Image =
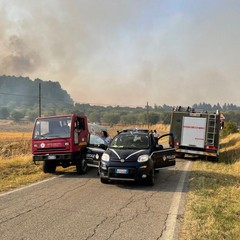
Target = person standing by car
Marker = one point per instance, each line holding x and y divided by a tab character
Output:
155	135
106	137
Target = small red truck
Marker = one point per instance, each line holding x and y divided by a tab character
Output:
63	141
196	132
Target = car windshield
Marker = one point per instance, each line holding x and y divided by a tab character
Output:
52	128
130	141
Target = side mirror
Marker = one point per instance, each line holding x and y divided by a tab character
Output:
103	146
160	147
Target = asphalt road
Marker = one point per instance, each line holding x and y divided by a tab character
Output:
81	207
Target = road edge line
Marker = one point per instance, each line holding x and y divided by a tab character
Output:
171	221
28	186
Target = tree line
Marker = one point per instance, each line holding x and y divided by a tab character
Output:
19	99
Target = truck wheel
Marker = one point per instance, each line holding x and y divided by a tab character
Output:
103	180
49	167
214	159
150	179
81	166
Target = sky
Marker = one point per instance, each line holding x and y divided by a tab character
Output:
126	52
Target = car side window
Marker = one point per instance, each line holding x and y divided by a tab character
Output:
95	140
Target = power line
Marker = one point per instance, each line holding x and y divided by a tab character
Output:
19	95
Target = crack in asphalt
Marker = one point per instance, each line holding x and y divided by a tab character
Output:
136	215
44	203
164	227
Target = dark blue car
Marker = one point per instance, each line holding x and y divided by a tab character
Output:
135	155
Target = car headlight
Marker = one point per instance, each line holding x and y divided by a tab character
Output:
105	157
143	158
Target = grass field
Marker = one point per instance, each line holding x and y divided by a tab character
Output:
212	208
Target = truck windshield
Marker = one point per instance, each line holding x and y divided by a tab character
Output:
130	141
52	128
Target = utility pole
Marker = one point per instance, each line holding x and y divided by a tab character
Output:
39	100
147	116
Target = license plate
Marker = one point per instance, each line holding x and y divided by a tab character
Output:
121	171
51	157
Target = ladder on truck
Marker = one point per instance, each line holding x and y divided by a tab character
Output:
211	129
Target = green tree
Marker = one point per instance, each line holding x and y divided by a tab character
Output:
32	115
128	119
166	117
95	117
154	118
111	118
229	127
4	113
149	118
16	115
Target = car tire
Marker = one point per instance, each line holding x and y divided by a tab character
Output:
150	179
81	166
103	180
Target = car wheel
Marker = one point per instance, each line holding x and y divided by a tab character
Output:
150	179
81	166
103	180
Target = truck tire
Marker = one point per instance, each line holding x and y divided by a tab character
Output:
49	167
81	166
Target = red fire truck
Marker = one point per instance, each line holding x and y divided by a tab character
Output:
63	141
196	132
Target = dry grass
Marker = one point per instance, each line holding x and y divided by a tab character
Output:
230	148
5	136
16	171
213	209
14	143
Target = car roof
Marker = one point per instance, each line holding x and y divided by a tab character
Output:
135	130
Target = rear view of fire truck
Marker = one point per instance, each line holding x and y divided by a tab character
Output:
196	133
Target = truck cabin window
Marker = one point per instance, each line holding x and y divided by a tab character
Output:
52	128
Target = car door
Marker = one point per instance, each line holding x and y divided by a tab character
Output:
163	154
96	147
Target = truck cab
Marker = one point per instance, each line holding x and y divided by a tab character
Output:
62	141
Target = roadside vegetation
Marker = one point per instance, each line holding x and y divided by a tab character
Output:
213	210
212	207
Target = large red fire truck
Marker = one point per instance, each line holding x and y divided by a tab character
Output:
196	132
64	141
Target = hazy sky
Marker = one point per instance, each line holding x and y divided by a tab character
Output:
126	52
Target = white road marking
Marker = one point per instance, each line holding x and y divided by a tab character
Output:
28	186
168	233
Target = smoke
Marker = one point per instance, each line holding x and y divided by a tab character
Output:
19	59
126	52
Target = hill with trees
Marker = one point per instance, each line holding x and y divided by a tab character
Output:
19	96
19	99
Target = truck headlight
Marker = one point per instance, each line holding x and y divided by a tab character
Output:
143	158
105	157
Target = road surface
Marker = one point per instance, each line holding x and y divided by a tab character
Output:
81	207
